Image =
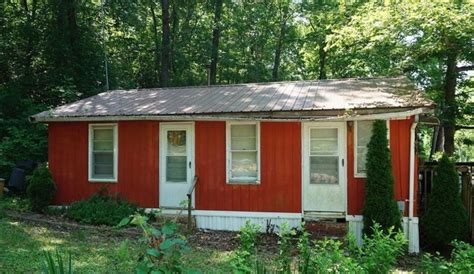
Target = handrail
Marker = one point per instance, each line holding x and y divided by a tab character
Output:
190	200
193	186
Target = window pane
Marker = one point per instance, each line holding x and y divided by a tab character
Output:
324	170
176	169
244	164
330	133
103	134
323	141
103	165
103	145
176	142
243	130
364	133
361	159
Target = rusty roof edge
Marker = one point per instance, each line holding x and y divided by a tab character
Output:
356	114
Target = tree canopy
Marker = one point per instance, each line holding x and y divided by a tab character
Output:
53	52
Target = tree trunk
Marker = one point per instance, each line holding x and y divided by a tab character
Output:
174	33
155	38
278	49
450	106
322	61
215	41
165	41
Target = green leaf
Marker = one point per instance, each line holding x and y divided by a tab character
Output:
125	221
153	252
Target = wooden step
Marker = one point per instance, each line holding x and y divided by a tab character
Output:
327	229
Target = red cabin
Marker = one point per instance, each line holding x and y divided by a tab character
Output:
273	152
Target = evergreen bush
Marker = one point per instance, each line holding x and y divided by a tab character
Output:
445	219
41	188
380	206
101	209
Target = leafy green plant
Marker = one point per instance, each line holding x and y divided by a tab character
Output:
101	208
380	251
41	188
380	206
462	260
284	259
165	246
328	256
445	219
244	259
304	250
56	265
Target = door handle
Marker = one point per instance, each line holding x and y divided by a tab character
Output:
342	161
189	164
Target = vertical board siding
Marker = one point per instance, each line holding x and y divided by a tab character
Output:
137	162
400	150
280	156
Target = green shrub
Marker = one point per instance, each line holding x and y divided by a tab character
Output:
328	256
445	219
101	209
164	246
284	259
380	251
380	206
41	188
462	260
244	259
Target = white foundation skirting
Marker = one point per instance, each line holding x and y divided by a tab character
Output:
356	224
234	220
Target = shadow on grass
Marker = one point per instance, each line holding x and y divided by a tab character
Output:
22	247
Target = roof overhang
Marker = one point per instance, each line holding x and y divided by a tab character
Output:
333	115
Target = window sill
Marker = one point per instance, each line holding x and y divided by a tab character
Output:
243	182
93	181
360	176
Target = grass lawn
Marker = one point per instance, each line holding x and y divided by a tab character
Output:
22	246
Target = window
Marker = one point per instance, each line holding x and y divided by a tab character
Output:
362	135
103	153
243	152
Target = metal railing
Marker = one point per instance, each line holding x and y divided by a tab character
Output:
190	203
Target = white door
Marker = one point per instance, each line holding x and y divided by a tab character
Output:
324	176
176	162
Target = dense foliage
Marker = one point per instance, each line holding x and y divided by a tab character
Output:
165	245
462	260
100	208
54	52
445	218
41	188
380	206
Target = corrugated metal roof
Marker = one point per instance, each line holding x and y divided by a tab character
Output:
341	94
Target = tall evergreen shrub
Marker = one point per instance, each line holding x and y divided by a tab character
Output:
380	206
445	218
41	188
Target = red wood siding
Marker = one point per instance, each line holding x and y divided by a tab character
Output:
400	148
137	162
280	154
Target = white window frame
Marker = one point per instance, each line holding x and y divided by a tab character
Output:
362	174
249	180
91	138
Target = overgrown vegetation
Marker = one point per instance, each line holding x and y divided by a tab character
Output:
445	218
41	188
101	209
462	260
245	257
379	205
164	245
